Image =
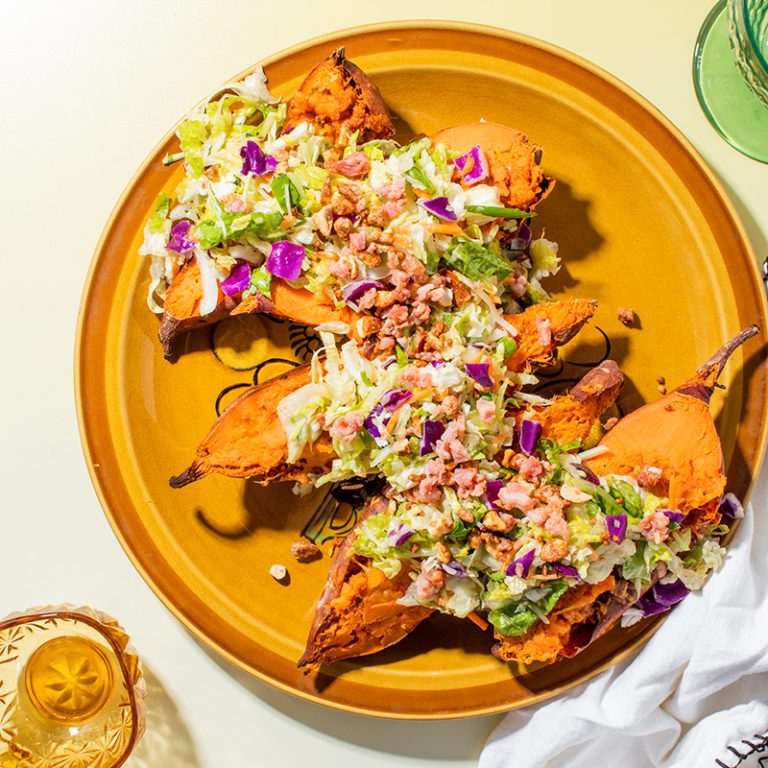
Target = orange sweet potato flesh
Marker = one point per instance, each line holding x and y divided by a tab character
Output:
358	613
299	305
357	593
547	642
513	162
339	99
677	434
181	310
545	327
248	439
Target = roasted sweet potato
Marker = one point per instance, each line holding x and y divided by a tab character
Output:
513	162
576	416
356	592
675	434
358	612
181	310
545	327
182	307
547	642
248	439
339	99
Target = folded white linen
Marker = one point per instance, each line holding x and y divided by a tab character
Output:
695	695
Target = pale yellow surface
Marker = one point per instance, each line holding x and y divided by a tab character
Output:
87	89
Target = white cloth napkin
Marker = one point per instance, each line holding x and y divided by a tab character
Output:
695	695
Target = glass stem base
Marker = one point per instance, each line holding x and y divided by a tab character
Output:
734	110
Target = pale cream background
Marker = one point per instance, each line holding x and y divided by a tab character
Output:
86	89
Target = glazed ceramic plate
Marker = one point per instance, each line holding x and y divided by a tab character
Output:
641	222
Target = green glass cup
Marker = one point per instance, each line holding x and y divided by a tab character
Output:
730	73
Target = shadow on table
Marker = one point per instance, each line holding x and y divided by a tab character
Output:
167	742
446	740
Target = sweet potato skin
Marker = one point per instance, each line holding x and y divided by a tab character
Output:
247	426
339	99
676	434
299	305
514	163
231	447
358	612
181	310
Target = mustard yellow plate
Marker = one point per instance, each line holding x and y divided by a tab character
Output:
641	222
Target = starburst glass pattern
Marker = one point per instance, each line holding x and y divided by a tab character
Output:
71	689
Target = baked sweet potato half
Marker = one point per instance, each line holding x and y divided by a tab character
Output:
340	101
671	447
358	613
357	592
248	439
351	224
514	162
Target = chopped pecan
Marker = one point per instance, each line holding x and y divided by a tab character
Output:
376	216
503	522
370	258
323	220
443	554
341	206
553	550
343	227
368	325
627	316
304	551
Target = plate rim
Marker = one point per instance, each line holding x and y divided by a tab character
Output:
80	362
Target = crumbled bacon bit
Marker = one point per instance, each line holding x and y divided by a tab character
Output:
611	423
304	551
353	165
515	496
654	526
648	476
234	203
627	316
486	409
470	483
395	190
429	583
449	446
346	427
